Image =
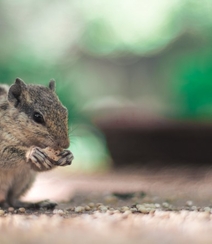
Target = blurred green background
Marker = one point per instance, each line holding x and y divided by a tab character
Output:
155	56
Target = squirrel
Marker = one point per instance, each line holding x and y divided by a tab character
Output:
32	118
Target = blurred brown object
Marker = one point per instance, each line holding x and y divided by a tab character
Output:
137	140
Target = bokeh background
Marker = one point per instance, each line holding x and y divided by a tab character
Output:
128	71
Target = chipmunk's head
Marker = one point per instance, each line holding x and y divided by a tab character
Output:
40	115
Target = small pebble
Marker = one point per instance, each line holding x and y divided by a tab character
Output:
11	209
124	208
194	208
21	210
165	204
58	211
127	212
1	212
103	208
70	209
207	209
189	203
110	212
91	205
87	208
144	210
79	209
133	210
157	205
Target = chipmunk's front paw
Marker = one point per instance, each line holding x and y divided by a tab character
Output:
66	158
39	159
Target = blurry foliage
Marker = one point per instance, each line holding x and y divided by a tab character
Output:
164	48
193	84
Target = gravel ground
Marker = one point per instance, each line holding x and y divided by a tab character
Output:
167	206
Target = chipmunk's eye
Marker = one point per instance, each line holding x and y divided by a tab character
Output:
38	118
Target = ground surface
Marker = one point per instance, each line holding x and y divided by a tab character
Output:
165	206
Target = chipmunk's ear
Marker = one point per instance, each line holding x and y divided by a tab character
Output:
52	85
15	91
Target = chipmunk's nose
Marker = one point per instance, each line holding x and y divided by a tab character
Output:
63	143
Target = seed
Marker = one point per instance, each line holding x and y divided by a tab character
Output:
1	212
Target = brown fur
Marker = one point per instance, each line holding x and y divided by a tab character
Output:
20	135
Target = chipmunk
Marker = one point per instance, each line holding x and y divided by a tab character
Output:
32	118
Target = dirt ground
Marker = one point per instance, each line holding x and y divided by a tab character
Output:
142	206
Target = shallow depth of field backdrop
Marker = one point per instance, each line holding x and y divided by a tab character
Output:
122	59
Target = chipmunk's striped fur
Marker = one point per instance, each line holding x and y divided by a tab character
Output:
31	119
